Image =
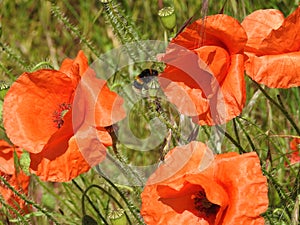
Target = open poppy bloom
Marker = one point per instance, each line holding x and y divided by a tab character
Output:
223	189
204	76
294	156
273	48
19	181
60	118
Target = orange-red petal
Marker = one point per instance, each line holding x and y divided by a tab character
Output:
206	57
275	71
67	155
6	158
30	104
273	48
102	107
233	182
19	180
75	68
246	186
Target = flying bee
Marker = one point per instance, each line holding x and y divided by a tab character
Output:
146	82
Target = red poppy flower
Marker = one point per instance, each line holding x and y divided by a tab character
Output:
204	76
273	48
294	156
225	189
18	180
59	117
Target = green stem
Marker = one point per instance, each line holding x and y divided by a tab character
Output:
132	208
6	48
279	106
246	134
90	201
241	149
16	212
126	170
41	64
107	193
236	131
11	76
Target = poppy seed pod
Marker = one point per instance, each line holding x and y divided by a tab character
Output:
167	17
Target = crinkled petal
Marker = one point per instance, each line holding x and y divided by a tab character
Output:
273	48
61	165
188	101
232	181
30	105
192	158
206	57
218	30
258	26
246	186
233	90
275	71
75	68
155	212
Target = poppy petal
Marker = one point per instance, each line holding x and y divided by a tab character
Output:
35	95
245	184
217	30
75	68
6	158
235	190
258	26
60	166
102	107
19	180
207	56
275	71
273	48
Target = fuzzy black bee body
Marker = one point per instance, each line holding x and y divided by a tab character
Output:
142	81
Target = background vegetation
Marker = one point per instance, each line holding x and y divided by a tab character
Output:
40	34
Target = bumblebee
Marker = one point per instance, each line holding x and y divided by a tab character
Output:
146	81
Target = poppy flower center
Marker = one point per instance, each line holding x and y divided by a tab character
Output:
204	206
60	113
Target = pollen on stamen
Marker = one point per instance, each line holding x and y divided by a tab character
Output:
60	113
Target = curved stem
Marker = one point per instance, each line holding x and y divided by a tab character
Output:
131	207
90	201
107	193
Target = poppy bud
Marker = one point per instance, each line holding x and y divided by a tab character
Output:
168	17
